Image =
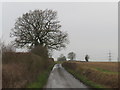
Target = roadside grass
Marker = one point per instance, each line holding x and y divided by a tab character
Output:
84	79
93	76
41	79
106	71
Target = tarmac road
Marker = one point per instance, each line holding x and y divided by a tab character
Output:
60	78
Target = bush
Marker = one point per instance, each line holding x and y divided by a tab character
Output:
40	51
20	69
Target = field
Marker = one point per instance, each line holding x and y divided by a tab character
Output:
94	74
22	69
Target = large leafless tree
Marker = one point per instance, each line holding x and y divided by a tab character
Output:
39	27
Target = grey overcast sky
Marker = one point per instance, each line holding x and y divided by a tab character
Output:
92	26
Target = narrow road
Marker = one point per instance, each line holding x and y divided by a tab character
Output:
60	78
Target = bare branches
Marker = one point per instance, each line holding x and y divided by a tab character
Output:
39	28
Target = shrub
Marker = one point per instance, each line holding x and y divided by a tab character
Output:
40	51
19	69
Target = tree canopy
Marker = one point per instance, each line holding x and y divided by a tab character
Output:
39	27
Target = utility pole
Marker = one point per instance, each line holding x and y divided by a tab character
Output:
109	55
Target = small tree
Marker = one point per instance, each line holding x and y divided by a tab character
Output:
61	58
71	55
86	58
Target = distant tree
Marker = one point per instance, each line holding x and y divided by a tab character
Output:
39	28
71	55
61	58
86	58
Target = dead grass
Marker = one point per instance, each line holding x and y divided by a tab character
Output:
20	69
110	66
98	72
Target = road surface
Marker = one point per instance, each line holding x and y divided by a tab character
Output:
60	78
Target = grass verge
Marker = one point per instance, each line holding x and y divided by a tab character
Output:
106	71
41	79
84	79
89	75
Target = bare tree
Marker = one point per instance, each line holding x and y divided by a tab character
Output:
39	27
71	55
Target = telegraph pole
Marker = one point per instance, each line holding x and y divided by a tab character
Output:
109	55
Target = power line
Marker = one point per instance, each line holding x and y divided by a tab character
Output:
109	55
